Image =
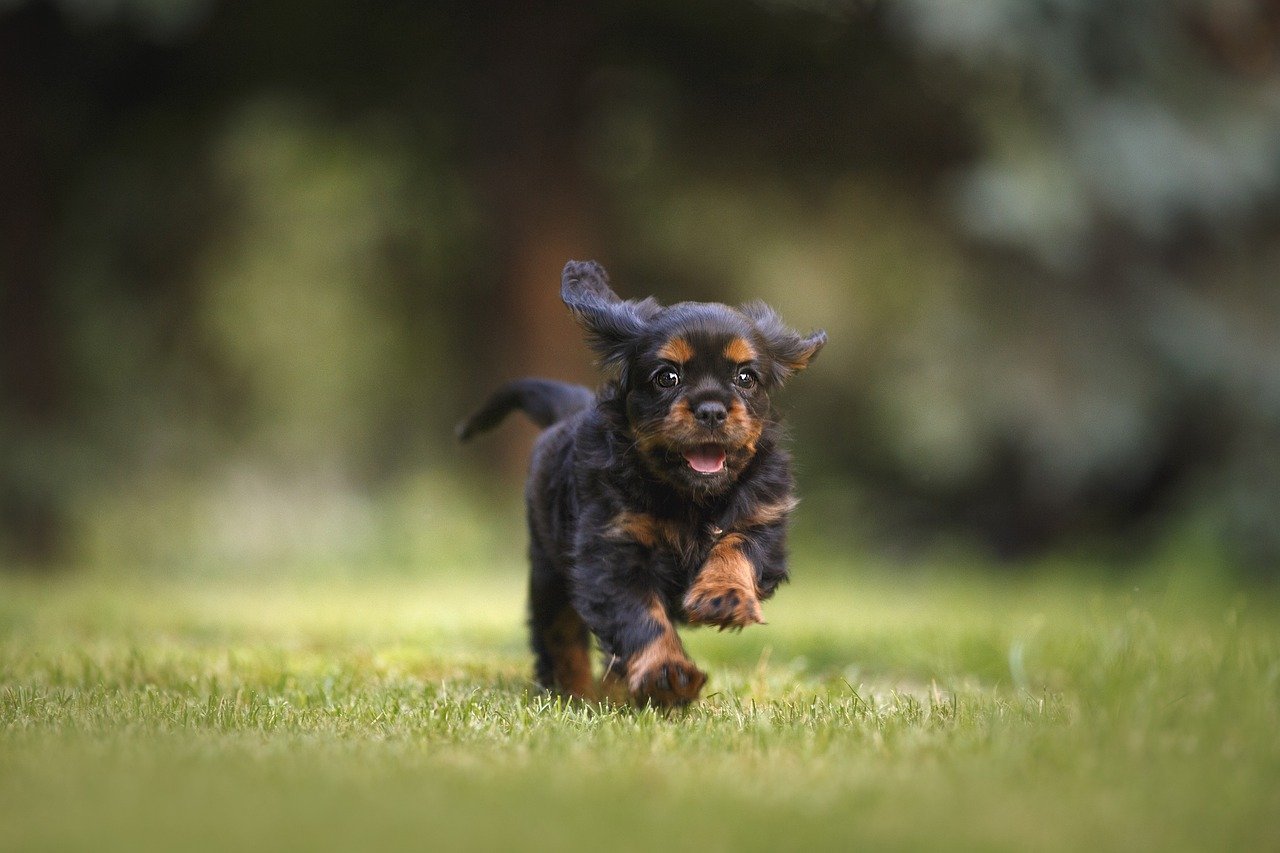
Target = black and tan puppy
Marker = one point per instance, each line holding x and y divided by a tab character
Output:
662	500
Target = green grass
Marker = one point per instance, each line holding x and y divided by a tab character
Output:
930	712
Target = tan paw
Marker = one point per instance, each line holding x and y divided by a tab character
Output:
666	681
723	605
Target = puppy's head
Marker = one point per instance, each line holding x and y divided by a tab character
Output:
694	376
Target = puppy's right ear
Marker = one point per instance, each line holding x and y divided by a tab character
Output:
613	327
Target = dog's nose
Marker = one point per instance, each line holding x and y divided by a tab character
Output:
710	413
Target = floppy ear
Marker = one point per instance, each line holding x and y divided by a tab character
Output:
613	327
789	352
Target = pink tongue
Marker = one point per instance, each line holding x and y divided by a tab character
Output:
705	459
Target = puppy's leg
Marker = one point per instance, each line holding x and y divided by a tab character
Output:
558	636
727	591
643	653
660	672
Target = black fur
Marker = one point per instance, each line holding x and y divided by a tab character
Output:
545	401
625	534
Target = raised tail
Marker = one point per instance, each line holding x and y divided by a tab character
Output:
545	401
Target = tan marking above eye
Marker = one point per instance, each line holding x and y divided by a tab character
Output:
676	350
739	351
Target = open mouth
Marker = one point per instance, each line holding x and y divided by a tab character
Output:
705	458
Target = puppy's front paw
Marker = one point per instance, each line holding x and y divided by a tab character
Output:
666	681
722	604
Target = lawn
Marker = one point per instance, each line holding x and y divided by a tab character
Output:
934	710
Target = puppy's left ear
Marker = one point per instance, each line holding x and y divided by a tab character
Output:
613	327
788	350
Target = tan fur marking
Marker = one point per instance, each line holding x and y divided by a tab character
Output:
666	645
739	351
743	427
725	592
677	350
661	672
679	426
680	419
650	532
566	640
767	514
636	526
680	429
726	565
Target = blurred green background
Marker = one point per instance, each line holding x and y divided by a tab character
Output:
257	258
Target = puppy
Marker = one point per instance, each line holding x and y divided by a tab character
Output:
664	499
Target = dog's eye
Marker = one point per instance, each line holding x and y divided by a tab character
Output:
745	379
666	378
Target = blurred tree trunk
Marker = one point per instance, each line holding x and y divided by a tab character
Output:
32	390
526	161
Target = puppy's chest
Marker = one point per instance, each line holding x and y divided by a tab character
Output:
678	545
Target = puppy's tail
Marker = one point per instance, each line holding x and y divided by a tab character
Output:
545	401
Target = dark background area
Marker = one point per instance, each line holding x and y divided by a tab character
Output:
257	258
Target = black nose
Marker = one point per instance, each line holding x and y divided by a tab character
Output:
710	413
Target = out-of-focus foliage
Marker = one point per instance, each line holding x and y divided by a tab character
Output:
257	258
1125	203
